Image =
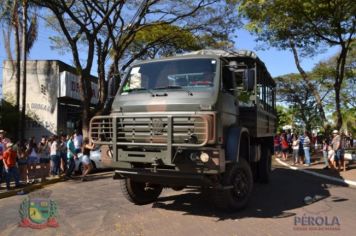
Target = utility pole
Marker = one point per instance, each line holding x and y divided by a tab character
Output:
24	55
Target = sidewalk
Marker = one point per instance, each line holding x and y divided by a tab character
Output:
103	173
26	188
317	165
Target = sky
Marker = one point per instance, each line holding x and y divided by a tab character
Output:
277	62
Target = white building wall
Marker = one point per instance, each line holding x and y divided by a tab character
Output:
41	95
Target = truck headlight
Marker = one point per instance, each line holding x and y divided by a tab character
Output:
204	157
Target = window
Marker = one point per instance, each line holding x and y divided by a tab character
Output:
192	73
227	80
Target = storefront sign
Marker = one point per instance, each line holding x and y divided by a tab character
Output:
69	87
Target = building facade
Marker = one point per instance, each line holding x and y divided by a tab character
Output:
52	96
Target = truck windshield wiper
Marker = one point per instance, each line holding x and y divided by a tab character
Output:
175	87
140	89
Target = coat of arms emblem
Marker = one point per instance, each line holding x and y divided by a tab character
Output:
37	211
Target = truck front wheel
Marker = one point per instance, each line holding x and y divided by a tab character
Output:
140	193
239	182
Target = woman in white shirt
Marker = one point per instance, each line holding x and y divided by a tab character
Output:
295	147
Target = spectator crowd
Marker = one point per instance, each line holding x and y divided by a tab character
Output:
52	156
300	147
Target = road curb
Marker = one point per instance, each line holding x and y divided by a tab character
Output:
40	185
29	188
347	182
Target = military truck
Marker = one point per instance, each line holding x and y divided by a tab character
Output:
205	119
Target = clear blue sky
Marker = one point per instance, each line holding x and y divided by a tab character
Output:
277	62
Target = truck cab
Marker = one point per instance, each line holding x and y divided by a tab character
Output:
205	119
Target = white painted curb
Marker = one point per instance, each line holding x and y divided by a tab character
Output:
344	181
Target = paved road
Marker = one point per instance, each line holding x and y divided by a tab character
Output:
98	208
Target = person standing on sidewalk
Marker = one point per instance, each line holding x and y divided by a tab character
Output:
78	141
87	147
32	160
3	142
22	160
331	158
63	153
43	152
277	144
306	148
71	154
295	148
285	146
325	153
9	159
337	147
2	149
301	150
54	155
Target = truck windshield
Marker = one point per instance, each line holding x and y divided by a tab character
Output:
182	74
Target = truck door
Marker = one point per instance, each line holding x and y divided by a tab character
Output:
228	102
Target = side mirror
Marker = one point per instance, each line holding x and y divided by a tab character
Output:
249	80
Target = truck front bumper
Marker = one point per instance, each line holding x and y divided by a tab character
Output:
165	177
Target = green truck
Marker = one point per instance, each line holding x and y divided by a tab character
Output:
204	119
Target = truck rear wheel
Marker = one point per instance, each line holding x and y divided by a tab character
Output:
239	177
140	193
264	166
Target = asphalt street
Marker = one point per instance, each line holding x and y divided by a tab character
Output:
97	207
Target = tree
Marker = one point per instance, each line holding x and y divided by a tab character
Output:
325	72
11	18
284	117
305	26
293	90
109	28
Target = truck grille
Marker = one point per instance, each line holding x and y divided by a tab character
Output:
156	130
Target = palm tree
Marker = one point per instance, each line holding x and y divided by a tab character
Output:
10	19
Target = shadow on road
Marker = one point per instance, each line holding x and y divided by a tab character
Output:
286	192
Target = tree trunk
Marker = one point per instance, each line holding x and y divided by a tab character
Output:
309	84
24	54
340	69
86	95
18	79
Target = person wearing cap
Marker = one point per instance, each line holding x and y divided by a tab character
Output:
9	159
336	145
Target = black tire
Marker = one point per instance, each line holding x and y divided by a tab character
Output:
264	166
239	175
139	193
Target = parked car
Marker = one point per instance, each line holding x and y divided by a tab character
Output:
95	158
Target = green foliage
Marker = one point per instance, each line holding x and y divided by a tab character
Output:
163	40
307	22
325	72
307	26
292	90
9	116
284	117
